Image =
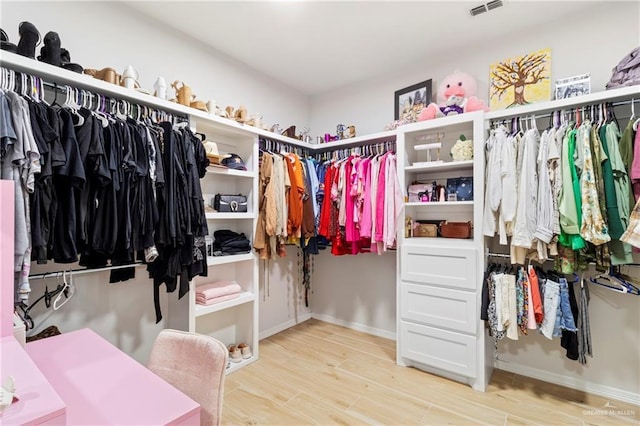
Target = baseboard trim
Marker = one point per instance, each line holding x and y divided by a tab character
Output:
355	326
283	326
571	382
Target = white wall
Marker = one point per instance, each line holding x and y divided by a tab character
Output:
609	32
282	302
110	34
102	34
356	291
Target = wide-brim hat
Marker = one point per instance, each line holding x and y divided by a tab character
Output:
211	148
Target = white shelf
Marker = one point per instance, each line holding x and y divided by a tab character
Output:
281	138
439	204
558	104
235	366
217	215
439	242
358	140
445	166
224	171
83	81
244	297
451	120
233	258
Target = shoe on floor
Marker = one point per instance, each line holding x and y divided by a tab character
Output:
245	350
234	354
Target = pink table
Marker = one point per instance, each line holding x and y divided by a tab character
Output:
102	385
38	403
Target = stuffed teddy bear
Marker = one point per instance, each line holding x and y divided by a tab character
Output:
456	95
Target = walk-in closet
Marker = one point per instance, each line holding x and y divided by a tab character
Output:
306	212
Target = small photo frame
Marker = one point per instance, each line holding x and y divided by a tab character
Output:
410	100
571	87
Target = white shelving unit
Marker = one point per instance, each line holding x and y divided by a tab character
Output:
439	279
232	321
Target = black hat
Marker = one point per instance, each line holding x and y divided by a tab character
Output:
234	162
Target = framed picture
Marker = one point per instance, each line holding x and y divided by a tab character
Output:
520	80
571	87
410	100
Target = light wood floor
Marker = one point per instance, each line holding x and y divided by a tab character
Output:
320	373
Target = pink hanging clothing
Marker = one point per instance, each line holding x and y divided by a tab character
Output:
635	166
365	221
393	203
380	200
350	226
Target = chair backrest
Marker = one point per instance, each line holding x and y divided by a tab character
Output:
195	364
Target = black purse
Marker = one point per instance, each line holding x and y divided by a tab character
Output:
225	203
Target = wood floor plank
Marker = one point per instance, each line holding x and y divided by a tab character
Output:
244	408
320	373
369	348
439	416
320	413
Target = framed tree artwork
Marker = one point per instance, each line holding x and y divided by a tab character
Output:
521	80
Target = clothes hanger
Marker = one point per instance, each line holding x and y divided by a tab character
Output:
25	317
614	272
607	281
633	114
71	105
68	290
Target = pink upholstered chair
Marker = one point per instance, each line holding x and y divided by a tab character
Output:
195	364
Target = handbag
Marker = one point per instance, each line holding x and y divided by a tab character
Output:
226	203
462	187
455	229
419	192
426	228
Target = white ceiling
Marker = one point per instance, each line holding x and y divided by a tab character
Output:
318	46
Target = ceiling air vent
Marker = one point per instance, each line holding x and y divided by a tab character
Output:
494	4
485	7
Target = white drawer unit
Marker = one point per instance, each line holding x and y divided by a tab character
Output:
442	266
447	350
442	307
439	279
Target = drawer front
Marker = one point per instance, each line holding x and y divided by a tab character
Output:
437	348
452	267
442	307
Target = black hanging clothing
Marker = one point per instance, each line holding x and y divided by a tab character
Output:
66	179
42	197
569	340
182	226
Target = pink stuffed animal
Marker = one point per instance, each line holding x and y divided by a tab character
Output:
456	95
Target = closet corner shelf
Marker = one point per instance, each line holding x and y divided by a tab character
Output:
217	215
230	172
437	123
234	258
445	166
545	107
372	138
244	297
439	204
235	366
281	138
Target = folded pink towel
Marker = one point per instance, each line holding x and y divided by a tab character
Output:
217	289
216	299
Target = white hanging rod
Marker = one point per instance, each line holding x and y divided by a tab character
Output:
569	109
85	270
